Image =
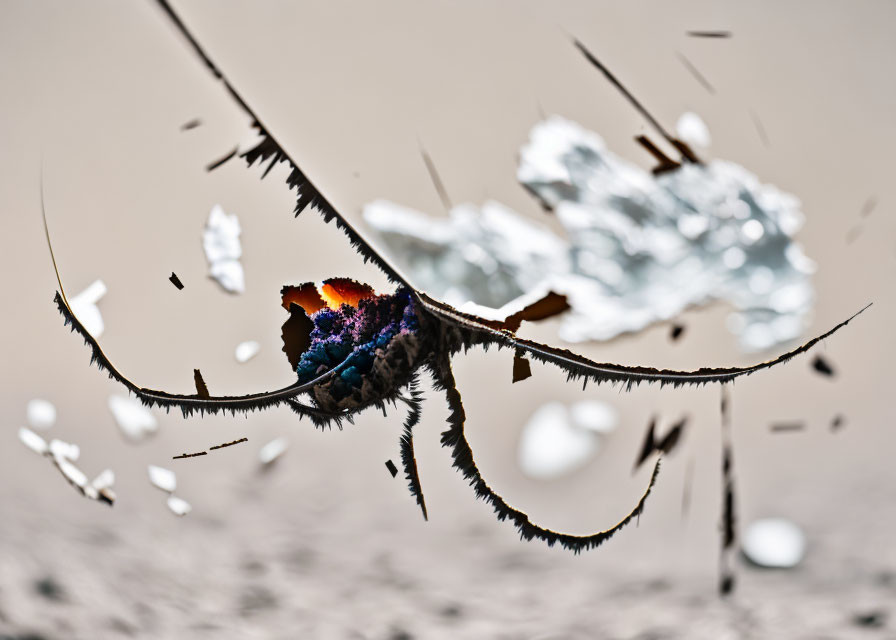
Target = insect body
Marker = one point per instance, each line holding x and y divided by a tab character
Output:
352	349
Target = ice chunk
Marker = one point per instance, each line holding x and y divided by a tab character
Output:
272	450
691	129
64	450
33	441
162	478
774	543
135	421
221	243
83	306
245	351
41	414
179	506
558	439
104	480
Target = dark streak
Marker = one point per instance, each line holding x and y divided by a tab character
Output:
228	444
780	427
192	124
696	73
837	422
709	34
729	518
760	129
392	468
176	281
436	180
190	455
682	147
686	490
217	163
868	207
665	163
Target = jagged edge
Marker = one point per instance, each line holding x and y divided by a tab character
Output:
184	404
408	459
475	331
307	193
462	456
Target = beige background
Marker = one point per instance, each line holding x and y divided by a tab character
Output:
328	544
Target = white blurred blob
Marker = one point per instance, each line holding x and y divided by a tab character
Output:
64	450
33	441
84	308
73	474
221	242
690	128
486	255
63	456
41	414
163	479
559	439
135	421
104	480
245	351
774	543
639	248
272	450
179	506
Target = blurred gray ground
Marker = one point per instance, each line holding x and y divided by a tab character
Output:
327	544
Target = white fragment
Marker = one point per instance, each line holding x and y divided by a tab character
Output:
85	310
221	243
272	450
33	441
179	506
104	480
162	478
774	543
72	473
692	130
245	351
41	414
63	450
595	416
557	440
135	421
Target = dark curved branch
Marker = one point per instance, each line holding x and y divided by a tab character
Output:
578	366
462	455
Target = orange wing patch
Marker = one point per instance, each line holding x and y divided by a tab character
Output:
305	296
339	291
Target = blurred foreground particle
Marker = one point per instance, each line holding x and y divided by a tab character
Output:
774	543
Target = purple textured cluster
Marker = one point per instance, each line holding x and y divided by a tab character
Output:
353	335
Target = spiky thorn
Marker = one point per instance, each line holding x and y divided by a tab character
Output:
408	459
268	148
462	456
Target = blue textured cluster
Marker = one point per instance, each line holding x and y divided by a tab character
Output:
356	333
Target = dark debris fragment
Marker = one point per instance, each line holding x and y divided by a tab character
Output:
822	366
201	387
392	468
676	331
217	163
871	619
176	281
228	444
